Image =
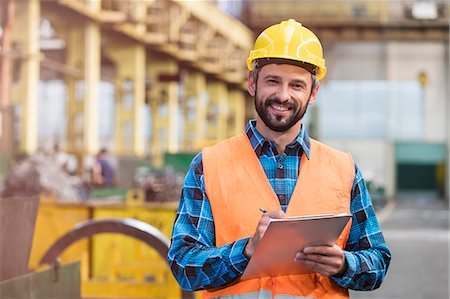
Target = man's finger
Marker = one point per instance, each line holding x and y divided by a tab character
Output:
317	258
323	250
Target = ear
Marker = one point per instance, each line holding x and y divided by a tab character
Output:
314	94
251	84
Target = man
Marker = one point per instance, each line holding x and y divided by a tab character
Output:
274	165
103	173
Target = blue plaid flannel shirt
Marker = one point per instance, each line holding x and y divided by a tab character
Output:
198	264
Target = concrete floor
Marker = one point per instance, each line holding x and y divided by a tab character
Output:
417	232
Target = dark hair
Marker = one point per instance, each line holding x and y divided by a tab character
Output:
102	151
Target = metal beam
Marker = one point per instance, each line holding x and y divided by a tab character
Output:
164	102
368	33
6	111
237	112
153	24
370	20
91	79
27	36
195	88
130	63
218	110
131	227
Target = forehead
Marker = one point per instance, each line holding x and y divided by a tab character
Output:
287	71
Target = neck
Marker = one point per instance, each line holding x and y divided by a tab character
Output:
281	139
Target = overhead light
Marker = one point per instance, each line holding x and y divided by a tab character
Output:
424	10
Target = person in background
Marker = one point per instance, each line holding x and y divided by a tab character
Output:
103	173
276	166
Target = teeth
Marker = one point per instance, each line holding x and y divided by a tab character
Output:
280	108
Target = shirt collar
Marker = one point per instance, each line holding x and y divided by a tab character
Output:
259	143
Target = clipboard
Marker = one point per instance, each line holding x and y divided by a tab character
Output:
284	237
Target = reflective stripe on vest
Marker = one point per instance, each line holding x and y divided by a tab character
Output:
236	186
262	294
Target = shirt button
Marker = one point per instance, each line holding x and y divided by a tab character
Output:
281	196
280	166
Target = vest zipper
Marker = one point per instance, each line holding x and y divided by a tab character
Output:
274	283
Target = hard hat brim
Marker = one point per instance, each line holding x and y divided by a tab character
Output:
260	62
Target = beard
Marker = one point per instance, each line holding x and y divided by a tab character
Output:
279	123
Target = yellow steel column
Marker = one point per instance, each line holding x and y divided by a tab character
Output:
196	88
130	62
158	131
26	33
91	78
217	110
83	53
6	113
75	93
164	102
237	111
173	102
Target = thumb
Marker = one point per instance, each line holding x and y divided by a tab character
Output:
278	214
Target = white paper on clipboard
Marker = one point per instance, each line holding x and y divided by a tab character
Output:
285	237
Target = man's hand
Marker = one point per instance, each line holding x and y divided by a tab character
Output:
252	244
326	260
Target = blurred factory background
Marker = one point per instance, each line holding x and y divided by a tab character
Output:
154	81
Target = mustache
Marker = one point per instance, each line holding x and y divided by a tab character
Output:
271	101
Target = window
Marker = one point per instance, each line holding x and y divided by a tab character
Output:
371	110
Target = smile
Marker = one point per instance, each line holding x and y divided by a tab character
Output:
279	107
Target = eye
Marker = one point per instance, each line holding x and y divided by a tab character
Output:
298	86
272	81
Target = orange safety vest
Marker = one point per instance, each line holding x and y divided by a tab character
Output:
237	186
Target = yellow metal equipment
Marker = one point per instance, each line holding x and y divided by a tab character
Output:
53	221
113	265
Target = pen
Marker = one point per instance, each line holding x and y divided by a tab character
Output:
262	210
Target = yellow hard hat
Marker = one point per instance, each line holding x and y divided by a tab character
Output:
290	41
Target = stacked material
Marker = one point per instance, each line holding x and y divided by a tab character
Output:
162	185
41	173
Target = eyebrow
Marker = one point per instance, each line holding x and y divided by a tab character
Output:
272	77
295	81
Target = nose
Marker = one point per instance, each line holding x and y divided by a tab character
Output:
283	93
